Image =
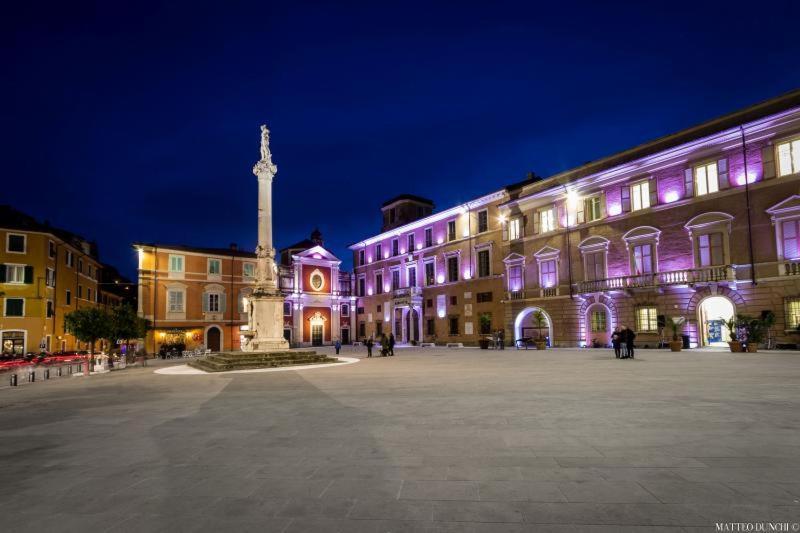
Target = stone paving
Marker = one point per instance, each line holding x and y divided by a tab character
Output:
429	440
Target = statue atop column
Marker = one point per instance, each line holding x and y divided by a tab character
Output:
265	164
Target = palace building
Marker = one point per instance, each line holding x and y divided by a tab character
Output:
702	224
46	272
198	297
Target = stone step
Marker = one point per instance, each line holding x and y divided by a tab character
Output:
225	361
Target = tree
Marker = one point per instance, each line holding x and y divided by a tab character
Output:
88	325
126	325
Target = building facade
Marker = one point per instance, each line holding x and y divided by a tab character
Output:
703	224
198	297
45	273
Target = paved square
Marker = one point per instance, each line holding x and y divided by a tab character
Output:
429	440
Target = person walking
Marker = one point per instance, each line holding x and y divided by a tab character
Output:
369	344
391	344
616	342
501	335
384	345
629	336
338	346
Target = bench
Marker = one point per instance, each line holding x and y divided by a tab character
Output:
455	344
523	341
427	345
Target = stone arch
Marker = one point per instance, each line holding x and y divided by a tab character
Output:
522	315
590	301
691	311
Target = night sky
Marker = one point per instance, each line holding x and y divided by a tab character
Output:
140	121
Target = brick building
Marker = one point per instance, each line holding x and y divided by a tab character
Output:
702	224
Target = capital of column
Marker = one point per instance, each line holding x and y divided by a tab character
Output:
265	170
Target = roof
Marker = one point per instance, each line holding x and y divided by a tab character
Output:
305	244
199	249
11	218
412	197
731	120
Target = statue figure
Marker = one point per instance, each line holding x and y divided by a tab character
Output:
266	155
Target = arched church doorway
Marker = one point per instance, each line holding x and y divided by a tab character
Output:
713	312
213	339
526	325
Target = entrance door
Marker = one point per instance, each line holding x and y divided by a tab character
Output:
316	335
213	339
713	313
345	336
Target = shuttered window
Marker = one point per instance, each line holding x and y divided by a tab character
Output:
514	229
515	278
452	269
789	158
547	220
175	299
595	265
549	277
483	264
791	239
640	195
643	259
710	249
706	180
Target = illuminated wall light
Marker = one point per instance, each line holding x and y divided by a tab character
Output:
296	307
369	291
387	288
440	240
440	278
751	178
572	199
369	259
671	196
503	219
402	251
419	246
441	313
614	210
467	274
386	254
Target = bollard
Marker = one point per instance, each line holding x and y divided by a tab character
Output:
69	370
31	376
46	373
58	371
13	380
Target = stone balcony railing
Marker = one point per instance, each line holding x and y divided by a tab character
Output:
659	279
791	268
406	292
541	292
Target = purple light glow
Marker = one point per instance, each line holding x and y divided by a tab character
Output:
387	288
369	291
467	274
440	278
419	246
671	196
440	240
515	286
751	178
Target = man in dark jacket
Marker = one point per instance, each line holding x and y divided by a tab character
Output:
629	336
369	344
391	343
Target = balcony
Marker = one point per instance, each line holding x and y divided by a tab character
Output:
791	268
659	279
542	292
407	296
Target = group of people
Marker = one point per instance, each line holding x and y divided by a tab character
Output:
387	345
622	341
499	339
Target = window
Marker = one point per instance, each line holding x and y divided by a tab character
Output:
14	342
792	313
176	263
378	328
395	247
453	325
249	270
515	278
547	220
595	265
452	269
395	280
646	319
50	277
483	297
15	243
287	308
68	298
548	273
484	269
411	273
15	307
483	221
429	302
430	327
428	237
454	300
51	250
14	274
68	259
411	244
214	267
361	260
379	283
362	330
359	310
593	209
598	322
791	239
643	259
89	293
451	230
789	157
345	310
362	281
378	308
80	291
175	301
514	229
706	180
430	273
710	249
50	310
378	252
640	195
80	265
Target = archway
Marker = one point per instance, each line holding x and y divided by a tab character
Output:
599	324
525	325
411	326
712	313
213	339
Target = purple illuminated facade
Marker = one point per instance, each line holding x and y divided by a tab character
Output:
658	231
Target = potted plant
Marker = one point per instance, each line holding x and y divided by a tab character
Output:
755	333
485	325
676	325
733	332
540	319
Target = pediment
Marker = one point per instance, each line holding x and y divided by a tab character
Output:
317	253
547	251
514	258
595	241
789	205
709	219
642	232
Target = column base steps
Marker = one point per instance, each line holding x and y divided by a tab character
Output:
226	361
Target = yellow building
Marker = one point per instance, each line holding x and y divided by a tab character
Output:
45	273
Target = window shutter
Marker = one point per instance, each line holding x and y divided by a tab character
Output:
603	212
505	230
536	218
688	182
522	224
580	216
561	216
722	174
222	306
2	273
625	194
28	274
768	162
205	303
653	192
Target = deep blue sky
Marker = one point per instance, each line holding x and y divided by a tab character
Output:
139	121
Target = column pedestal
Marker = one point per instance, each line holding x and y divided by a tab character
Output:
267	322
